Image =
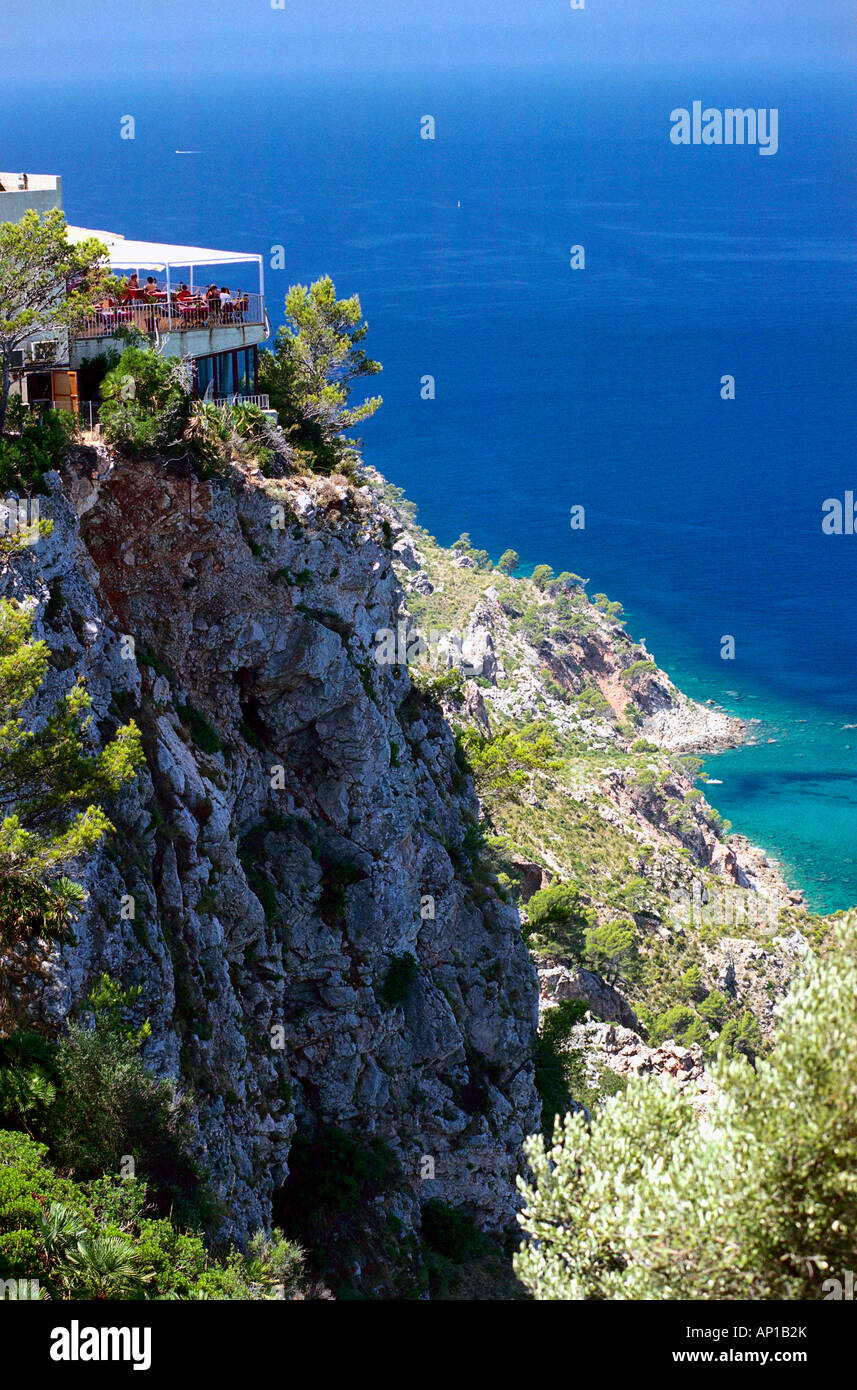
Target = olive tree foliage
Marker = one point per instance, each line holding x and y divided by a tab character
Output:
45	283
758	1201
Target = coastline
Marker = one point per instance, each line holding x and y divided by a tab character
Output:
527	657
773	752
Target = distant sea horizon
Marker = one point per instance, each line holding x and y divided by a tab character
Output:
557	387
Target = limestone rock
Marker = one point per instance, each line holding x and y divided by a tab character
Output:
558	982
295	814
623	1051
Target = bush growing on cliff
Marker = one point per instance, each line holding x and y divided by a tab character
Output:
50	785
403	972
221	435
542	576
565	582
557	921
760	1203
90	1098
27	1075
554	1064
329	1204
673	1023
508	760
611	950
609	608
146	400
39	446
741	1037
110	1107
148	406
637	669
593	704
451	1232
203	733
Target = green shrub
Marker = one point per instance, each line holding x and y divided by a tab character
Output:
674	1023
714	1007
403	971
451	1232
96	1239
339	875
741	1037
108	1106
41	445
249	735
611	610
27	1078
611	950
506	761
690	983
636	670
203	733
329	1205
554	1066
557	921
51	787
542	576
592	703
146	400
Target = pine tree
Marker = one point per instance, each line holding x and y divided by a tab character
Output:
50	785
310	375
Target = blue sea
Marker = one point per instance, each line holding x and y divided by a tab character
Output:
557	387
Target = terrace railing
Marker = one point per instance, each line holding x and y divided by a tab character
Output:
87	411
239	399
158	316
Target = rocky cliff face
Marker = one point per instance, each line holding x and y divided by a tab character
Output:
290	880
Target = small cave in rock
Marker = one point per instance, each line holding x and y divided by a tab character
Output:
254	727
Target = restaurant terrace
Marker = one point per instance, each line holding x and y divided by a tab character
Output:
187	298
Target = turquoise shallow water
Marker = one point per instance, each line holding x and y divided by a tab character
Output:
797	798
792	790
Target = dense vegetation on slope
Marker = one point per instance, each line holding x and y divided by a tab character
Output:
757	1203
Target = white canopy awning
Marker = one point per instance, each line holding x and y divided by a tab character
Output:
156	255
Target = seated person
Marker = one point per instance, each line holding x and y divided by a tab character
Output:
151	287
225	297
184	292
